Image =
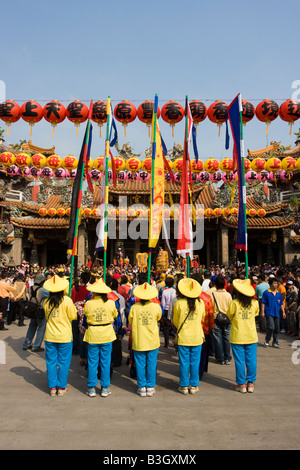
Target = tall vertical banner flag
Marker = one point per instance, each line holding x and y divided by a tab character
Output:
235	118
77	194
185	236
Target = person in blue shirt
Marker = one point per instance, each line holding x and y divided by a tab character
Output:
272	305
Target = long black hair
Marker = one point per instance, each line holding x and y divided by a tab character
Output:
244	300
55	299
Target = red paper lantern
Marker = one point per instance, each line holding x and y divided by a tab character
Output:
198	111
31	112
55	113
77	112
217	113
87	212
172	113
145	113
125	112
9	112
267	111
99	113
289	112
248	112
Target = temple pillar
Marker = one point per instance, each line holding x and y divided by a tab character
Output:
225	246
17	249
81	246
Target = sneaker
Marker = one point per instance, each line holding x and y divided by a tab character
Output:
227	362
183	390
91	392
38	349
266	344
52	392
61	392
240	388
105	391
150	391
282	330
250	387
194	390
276	345
142	392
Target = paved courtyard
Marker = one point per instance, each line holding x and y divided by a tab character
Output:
216	418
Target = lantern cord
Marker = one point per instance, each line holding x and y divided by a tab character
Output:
30	131
52	131
7	130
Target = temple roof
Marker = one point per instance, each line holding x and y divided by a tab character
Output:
261	222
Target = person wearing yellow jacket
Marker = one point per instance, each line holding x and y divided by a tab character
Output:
100	313
59	312
143	317
243	335
187	317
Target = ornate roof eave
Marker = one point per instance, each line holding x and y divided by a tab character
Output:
31	223
260	223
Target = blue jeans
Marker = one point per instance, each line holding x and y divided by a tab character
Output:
245	358
146	362
99	354
189	362
58	361
221	335
272	328
35	326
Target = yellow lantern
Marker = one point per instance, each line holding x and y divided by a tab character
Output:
119	163
68	211
196	166
43	211
52	212
258	164
252	212
234	211
273	164
226	165
247	164
199	213
7	158
23	159
54	162
211	165
209	213
131	213
225	212
39	160
261	212
170	163
122	212
298	164
133	164
288	164
90	164
177	165
217	212
61	212
147	164
98	163
87	212
97	212
70	162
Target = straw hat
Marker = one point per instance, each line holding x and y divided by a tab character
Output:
189	288
56	284
145	291
244	287
99	287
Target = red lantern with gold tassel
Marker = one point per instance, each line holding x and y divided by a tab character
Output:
99	113
289	112
77	112
172	113
55	113
125	112
248	112
198	112
267	111
217	113
9	113
145	113
31	112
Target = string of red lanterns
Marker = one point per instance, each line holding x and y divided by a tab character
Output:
125	112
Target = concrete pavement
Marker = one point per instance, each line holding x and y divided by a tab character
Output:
216	418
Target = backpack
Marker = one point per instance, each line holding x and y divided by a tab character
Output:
34	309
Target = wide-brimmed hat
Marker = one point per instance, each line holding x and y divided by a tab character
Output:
99	287
145	291
244	287
56	284
189	287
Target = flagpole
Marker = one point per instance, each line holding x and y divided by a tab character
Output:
106	189
187	182
75	240
244	184
152	182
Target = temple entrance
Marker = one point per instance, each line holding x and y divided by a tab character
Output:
56	252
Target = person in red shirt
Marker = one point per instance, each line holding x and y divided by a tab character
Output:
79	294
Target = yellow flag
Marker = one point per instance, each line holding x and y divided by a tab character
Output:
157	193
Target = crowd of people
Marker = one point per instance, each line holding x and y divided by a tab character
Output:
214	312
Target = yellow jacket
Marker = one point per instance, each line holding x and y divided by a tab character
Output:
100	316
191	334
243	327
143	320
59	327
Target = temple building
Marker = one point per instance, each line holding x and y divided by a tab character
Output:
30	231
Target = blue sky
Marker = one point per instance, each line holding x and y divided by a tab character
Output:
68	50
